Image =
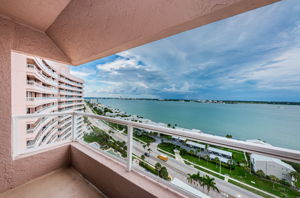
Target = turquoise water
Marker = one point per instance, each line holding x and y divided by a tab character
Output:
278	125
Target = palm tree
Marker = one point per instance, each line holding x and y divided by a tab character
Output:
189	178
198	151
207	158
274	179
294	175
217	161
210	183
230	162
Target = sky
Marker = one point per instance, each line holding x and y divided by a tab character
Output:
251	56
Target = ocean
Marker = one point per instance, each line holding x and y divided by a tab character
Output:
278	125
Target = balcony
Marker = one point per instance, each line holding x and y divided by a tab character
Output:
42	65
37	87
89	158
37	101
32	70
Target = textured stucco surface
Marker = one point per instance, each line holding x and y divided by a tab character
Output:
87	30
112	179
31	42
62	183
36	13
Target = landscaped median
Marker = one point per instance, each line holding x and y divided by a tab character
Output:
239	175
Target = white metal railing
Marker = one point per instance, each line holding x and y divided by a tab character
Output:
70	132
267	150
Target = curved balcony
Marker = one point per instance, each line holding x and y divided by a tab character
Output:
69	99
32	70
63	92
42	65
40	124
47	109
37	101
64	80
70	87
36	87
49	128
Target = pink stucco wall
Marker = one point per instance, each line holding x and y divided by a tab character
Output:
87	30
20	38
111	177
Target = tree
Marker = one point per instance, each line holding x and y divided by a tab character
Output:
158	167
169	125
198	151
210	183
142	157
229	136
294	175
260	173
274	179
217	161
190	178
206	158
230	162
163	173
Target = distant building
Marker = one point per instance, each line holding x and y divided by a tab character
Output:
271	166
195	145
40	87
219	152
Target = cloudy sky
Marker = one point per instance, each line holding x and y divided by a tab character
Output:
251	56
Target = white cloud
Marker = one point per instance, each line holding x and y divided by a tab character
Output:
81	73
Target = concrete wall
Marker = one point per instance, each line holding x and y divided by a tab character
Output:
23	39
272	168
88	30
112	178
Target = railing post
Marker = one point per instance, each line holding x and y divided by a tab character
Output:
129	147
73	127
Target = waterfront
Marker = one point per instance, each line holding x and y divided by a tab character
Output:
278	125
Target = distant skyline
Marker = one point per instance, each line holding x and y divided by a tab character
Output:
251	56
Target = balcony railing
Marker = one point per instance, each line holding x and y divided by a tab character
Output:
45	68
41	76
133	145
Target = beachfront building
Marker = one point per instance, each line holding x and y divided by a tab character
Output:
178	138
39	87
195	145
219	153
271	166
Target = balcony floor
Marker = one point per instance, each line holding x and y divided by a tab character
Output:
63	183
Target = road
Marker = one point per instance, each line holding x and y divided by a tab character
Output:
175	168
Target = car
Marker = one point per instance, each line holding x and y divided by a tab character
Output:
147	154
163	157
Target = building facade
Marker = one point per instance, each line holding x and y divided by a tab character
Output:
39	87
271	166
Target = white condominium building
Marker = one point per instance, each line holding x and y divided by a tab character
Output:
42	86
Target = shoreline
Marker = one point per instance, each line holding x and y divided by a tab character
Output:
203	101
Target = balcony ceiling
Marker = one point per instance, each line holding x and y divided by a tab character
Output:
39	14
86	30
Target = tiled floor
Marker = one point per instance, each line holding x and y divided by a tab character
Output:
63	183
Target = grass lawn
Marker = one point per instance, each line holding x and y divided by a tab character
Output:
168	147
250	189
145	138
240	174
238	156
